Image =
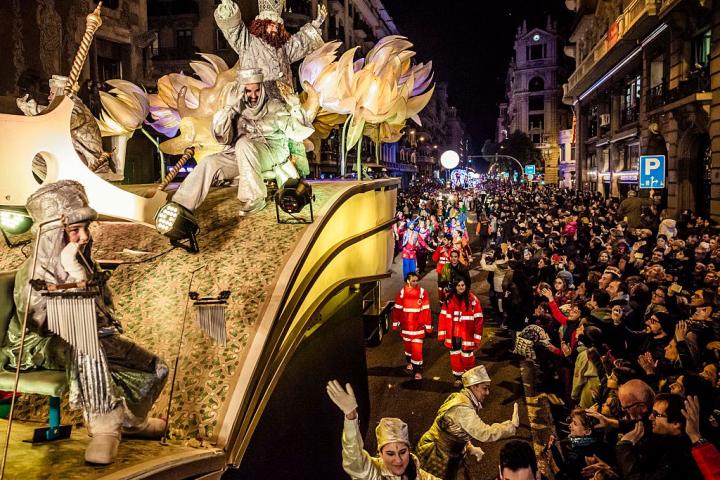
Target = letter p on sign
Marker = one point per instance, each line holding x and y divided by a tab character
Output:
652	171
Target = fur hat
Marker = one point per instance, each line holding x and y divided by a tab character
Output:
64	198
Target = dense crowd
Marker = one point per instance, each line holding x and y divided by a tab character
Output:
617	304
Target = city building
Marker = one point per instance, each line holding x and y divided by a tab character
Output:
44	37
642	86
534	93
566	163
441	130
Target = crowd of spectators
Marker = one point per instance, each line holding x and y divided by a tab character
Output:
617	305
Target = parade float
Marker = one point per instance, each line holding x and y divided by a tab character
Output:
296	292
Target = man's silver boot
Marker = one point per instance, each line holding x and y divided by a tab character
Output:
105	441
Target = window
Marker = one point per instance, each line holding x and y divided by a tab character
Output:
536	137
630	102
572	152
592	119
536	84
631	156
536	121
536	52
184	39
220	40
701	49
536	102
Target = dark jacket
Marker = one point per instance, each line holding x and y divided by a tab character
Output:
668	458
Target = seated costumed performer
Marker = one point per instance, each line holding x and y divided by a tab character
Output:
258	129
115	391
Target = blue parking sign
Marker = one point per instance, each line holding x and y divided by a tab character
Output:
529	169
652	171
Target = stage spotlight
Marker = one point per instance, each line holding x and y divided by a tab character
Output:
295	195
15	222
178	223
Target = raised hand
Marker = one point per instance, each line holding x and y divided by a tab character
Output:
691	412
516	416
477	452
321	16
681	331
634	435
647	363
344	398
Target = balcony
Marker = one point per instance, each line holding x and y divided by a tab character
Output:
636	21
695	87
629	115
426	159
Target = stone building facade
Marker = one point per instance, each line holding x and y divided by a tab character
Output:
534	93
43	37
644	85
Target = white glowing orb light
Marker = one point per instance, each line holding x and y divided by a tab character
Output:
450	159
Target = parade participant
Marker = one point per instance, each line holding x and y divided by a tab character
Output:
452	273
446	445
259	128
411	242
461	244
133	376
395	462
460	328
413	317
441	255
266	45
84	129
425	234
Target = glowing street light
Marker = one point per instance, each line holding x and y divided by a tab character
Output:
450	159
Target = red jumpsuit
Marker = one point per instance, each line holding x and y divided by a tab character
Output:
460	327
412	315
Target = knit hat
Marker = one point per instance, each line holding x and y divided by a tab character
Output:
567	277
475	375
666	322
391	430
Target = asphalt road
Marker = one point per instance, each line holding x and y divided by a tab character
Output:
393	393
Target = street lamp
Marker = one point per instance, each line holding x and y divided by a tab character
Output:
450	159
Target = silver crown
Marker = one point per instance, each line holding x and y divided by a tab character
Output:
271	10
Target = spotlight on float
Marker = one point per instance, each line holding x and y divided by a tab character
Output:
294	195
14	222
178	223
450	159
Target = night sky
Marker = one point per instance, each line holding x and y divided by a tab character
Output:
470	43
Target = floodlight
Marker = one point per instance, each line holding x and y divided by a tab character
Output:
15	222
294	195
450	159
178	223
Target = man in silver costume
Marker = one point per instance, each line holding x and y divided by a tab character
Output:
265	44
258	127
116	391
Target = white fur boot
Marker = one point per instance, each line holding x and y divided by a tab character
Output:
105	441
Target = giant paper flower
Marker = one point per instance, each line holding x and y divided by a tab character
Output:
125	108
381	92
187	104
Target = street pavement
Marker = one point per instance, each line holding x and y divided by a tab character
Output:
394	393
